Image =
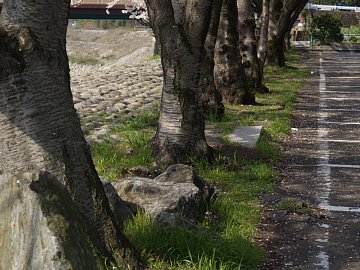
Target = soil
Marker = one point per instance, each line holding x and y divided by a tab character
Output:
119	46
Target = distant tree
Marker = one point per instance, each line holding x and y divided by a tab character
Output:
248	43
283	15
230	75
327	28
262	47
212	98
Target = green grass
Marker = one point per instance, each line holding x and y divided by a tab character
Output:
183	249
113	160
83	60
225	239
154	57
352	30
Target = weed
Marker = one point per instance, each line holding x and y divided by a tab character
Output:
154	57
83	60
293	206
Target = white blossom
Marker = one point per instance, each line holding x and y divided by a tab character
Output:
137	11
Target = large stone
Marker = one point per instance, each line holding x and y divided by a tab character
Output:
176	196
40	226
121	209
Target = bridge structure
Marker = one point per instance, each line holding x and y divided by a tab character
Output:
96	9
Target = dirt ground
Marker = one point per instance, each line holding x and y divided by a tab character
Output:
120	46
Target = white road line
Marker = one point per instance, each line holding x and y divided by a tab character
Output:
321	121
326	206
341	92
342	99
340	110
322	257
348	166
340	141
340	77
342	166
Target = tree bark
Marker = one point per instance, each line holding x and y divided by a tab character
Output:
248	44
229	72
40	128
262	45
212	99
273	38
181	27
282	17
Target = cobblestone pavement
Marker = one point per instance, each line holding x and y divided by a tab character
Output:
118	82
102	95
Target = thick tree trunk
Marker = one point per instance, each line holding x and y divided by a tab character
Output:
262	46
212	99
40	128
276	51
181	27
229	72
274	32
247	42
282	17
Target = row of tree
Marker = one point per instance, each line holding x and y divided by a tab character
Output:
212	52
40	129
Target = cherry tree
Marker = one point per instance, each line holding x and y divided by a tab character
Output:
40	129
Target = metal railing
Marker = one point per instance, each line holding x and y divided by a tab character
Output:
332	7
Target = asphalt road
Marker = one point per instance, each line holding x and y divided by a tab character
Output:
323	170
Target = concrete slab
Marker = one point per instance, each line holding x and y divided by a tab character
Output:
246	136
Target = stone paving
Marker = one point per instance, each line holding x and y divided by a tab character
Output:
102	94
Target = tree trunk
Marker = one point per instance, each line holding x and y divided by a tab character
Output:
181	27
247	42
229	72
276	51
282	17
40	128
262	46
157	47
212	99
273	38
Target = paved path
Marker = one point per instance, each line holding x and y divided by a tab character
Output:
323	169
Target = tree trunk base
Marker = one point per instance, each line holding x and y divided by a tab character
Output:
262	89
214	110
170	153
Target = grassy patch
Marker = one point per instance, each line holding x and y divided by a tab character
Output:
226	236
154	57
293	206
114	159
83	60
191	250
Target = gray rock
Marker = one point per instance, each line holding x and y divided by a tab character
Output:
100	133
177	194
91	139
122	210
40	225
